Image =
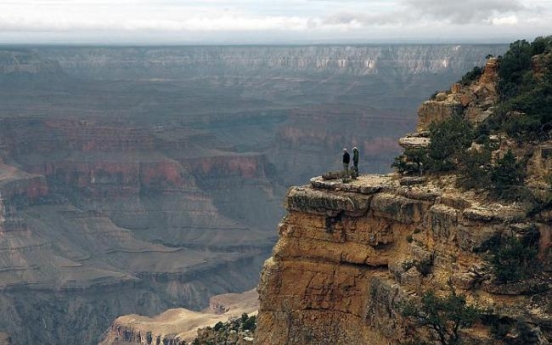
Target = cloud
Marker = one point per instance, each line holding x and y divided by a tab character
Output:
136	19
335	19
510	20
465	11
438	11
351	18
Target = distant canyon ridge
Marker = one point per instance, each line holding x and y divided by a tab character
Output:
137	179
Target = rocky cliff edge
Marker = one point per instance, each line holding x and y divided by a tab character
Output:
350	255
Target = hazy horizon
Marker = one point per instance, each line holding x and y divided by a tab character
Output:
209	44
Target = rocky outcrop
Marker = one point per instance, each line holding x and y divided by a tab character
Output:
475	101
416	140
438	110
351	254
347	256
177	326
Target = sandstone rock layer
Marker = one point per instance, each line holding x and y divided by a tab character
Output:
349	254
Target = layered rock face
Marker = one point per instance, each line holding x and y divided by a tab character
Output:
176	62
347	255
20	63
476	102
320	98
100	220
351	255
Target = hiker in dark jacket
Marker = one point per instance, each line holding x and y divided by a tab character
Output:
346	161
355	161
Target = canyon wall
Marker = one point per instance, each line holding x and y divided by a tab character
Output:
347	253
178	62
100	220
134	180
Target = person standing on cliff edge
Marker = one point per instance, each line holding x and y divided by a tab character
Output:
355	161
346	161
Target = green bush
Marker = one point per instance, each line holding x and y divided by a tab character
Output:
513	66
412	161
472	75
474	169
524	92
219	326
448	139
541	45
249	323
507	178
443	317
512	259
220	332
498	327
522	127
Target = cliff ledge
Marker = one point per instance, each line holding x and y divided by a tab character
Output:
347	257
350	256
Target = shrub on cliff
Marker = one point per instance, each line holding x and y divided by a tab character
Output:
474	169
525	89
228	333
448	139
507	179
512	331
514	259
411	162
513	70
472	75
442	317
504	179
248	323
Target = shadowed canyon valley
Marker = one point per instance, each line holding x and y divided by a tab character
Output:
138	179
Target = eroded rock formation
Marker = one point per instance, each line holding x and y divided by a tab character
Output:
92	210
473	101
176	326
346	253
350	255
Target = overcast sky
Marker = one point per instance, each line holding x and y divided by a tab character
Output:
272	21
